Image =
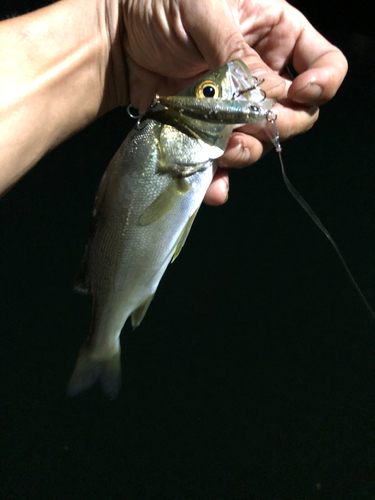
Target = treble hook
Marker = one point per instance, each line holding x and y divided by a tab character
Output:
240	92
263	92
137	117
258	82
129	109
253	87
139	121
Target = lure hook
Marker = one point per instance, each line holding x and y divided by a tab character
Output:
257	81
130	109
253	87
154	102
137	117
240	92
139	122
263	92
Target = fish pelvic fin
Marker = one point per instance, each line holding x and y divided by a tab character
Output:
138	314
88	370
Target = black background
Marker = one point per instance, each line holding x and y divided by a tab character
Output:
252	375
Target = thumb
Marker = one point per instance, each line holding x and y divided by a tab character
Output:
214	27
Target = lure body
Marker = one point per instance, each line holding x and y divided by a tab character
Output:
143	211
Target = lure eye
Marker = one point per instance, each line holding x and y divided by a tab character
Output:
255	109
207	89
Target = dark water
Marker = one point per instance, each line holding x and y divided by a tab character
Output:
252	375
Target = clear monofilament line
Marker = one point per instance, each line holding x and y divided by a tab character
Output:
275	141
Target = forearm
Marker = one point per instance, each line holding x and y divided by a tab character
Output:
54	64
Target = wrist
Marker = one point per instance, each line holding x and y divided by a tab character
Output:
116	78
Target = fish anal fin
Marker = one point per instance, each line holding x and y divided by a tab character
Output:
88	370
184	234
138	314
164	203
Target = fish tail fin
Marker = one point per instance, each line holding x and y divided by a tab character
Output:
88	370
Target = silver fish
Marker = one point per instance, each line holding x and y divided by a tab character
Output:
146	203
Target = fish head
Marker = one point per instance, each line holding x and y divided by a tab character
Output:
221	92
230	81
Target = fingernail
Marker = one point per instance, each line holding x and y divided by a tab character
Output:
245	155
221	163
309	94
224	186
313	110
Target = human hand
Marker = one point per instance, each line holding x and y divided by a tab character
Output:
169	44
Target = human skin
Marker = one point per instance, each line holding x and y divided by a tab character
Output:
63	66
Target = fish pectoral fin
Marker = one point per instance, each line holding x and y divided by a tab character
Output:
184	234
138	314
164	203
88	370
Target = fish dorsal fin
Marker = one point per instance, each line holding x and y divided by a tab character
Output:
82	279
164	203
184	234
139	313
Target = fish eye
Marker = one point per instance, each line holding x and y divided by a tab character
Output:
207	88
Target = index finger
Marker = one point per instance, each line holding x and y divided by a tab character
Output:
321	65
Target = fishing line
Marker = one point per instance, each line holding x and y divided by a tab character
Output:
271	118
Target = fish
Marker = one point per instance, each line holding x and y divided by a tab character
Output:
146	203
